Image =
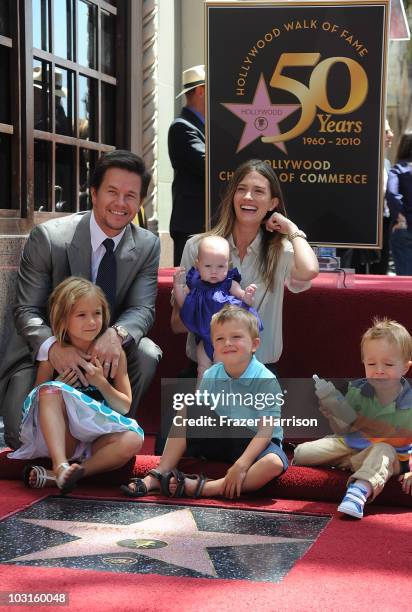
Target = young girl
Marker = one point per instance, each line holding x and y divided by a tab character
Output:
210	285
63	421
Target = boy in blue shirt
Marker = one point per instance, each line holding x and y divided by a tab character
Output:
253	444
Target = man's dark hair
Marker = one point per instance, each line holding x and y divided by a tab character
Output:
404	152
126	160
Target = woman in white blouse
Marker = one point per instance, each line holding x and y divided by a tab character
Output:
267	249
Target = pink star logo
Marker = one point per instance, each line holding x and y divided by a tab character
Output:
261	118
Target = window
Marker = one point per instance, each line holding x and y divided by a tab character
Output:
70	87
70	124
9	111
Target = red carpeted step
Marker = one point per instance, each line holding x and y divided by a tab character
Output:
319	484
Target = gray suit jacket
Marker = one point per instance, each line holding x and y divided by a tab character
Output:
60	248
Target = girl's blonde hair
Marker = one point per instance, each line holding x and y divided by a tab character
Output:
271	241
391	331
65	296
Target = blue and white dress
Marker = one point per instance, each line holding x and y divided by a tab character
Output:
89	418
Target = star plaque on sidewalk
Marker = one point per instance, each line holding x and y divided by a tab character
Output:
153	538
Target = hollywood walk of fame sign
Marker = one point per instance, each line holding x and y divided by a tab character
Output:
301	85
151	538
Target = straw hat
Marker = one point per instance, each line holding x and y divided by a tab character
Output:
191	78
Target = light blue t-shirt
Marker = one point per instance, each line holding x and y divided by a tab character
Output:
255	394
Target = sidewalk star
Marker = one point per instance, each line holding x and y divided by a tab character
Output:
173	538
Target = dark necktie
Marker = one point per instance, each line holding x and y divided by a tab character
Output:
107	273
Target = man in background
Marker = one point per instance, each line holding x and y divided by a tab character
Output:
381	266
366	261
186	143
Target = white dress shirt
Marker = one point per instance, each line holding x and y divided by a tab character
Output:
97	237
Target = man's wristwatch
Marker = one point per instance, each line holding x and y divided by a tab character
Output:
121	332
297	234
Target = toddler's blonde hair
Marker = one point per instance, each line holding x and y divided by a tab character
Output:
236	313
391	331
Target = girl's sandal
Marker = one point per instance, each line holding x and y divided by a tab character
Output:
68	483
42	477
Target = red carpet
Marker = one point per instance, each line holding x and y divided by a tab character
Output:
297	483
354	565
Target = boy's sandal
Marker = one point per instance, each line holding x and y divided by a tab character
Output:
180	483
140	488
200	485
43	478
66	485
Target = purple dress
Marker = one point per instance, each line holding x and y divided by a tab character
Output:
204	300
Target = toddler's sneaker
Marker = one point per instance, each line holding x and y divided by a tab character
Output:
354	501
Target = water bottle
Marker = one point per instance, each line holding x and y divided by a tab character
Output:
334	400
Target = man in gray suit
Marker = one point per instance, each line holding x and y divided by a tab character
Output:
73	245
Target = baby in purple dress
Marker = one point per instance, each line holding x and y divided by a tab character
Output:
209	287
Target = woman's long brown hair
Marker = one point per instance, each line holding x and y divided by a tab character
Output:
271	241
